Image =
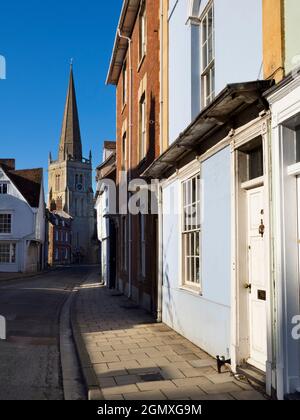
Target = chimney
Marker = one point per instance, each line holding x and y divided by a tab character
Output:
8	163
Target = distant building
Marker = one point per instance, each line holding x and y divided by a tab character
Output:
60	238
22	218
70	183
106	225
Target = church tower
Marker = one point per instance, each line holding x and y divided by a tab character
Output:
70	182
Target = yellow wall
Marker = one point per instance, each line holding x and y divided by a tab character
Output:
273	39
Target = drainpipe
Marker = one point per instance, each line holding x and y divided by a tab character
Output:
160	195
129	40
161	74
160	256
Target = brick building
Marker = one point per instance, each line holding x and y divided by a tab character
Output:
59	238
135	71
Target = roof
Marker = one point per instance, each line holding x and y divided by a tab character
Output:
62	214
108	166
234	99
53	216
126	23
70	141
28	182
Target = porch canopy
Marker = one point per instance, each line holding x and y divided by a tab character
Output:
230	103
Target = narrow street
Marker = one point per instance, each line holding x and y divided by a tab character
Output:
30	364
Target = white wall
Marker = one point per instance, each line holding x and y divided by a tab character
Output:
238	53
179	69
204	320
285	105
23	225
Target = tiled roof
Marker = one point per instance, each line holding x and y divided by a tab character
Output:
28	182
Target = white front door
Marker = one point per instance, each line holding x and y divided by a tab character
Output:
257	285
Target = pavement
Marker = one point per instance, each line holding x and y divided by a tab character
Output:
126	355
36	310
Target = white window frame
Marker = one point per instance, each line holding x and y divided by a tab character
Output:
3	188
12	253
125	83
142	126
11	223
207	63
142	32
189	260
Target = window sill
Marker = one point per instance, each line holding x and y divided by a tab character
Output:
253	183
196	291
294	170
141	63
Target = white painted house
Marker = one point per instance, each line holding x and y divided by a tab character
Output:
22	218
285	145
106	173
214	202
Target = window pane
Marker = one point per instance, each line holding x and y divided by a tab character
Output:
194	190
197	279
3	188
204	56
210	22
192	272
5	223
210	49
4	253
13	253
256	168
204	30
207	86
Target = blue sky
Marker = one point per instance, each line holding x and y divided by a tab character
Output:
37	39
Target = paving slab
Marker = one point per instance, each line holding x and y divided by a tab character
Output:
135	358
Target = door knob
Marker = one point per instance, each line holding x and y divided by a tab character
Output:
248	286
262	229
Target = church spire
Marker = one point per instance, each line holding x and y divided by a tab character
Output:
70	141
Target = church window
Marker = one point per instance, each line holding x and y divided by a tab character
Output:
57	182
